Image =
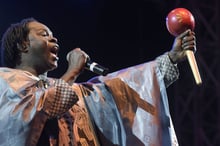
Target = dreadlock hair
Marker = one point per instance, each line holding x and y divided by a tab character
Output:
15	35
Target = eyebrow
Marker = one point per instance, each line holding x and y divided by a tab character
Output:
41	29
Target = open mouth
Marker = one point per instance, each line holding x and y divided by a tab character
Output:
54	51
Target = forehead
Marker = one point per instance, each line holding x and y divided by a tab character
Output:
37	26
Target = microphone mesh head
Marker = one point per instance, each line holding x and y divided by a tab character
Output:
67	56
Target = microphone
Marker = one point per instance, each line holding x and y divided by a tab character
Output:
93	66
96	68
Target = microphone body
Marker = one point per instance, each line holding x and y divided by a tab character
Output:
96	68
93	66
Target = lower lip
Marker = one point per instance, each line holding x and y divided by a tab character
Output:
55	56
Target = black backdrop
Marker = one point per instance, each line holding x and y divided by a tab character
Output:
115	33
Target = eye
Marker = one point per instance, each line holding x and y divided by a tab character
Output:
44	34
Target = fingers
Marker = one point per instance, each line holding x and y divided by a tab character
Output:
188	32
185	33
188	40
77	59
79	52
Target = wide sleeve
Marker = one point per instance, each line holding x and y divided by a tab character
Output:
58	98
168	70
25	106
137	96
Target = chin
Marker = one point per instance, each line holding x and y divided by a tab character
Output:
53	66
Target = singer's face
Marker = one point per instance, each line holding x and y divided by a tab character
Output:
43	47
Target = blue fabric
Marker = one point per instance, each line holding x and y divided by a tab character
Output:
130	107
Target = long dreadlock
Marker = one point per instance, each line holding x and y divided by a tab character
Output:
14	36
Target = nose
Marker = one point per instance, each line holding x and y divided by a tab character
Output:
53	39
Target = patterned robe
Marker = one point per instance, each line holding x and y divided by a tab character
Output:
125	108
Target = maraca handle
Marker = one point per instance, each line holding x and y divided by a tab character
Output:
194	67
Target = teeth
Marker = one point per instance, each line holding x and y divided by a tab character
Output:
57	58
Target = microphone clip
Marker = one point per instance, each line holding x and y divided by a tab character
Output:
96	68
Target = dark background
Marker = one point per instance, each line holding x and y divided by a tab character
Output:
122	33
115	33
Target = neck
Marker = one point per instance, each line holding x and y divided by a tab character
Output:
31	70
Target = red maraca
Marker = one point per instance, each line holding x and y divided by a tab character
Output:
179	20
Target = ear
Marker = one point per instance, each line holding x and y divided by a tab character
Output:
23	47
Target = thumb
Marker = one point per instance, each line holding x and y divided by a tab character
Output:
185	33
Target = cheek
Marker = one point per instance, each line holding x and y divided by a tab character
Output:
39	47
